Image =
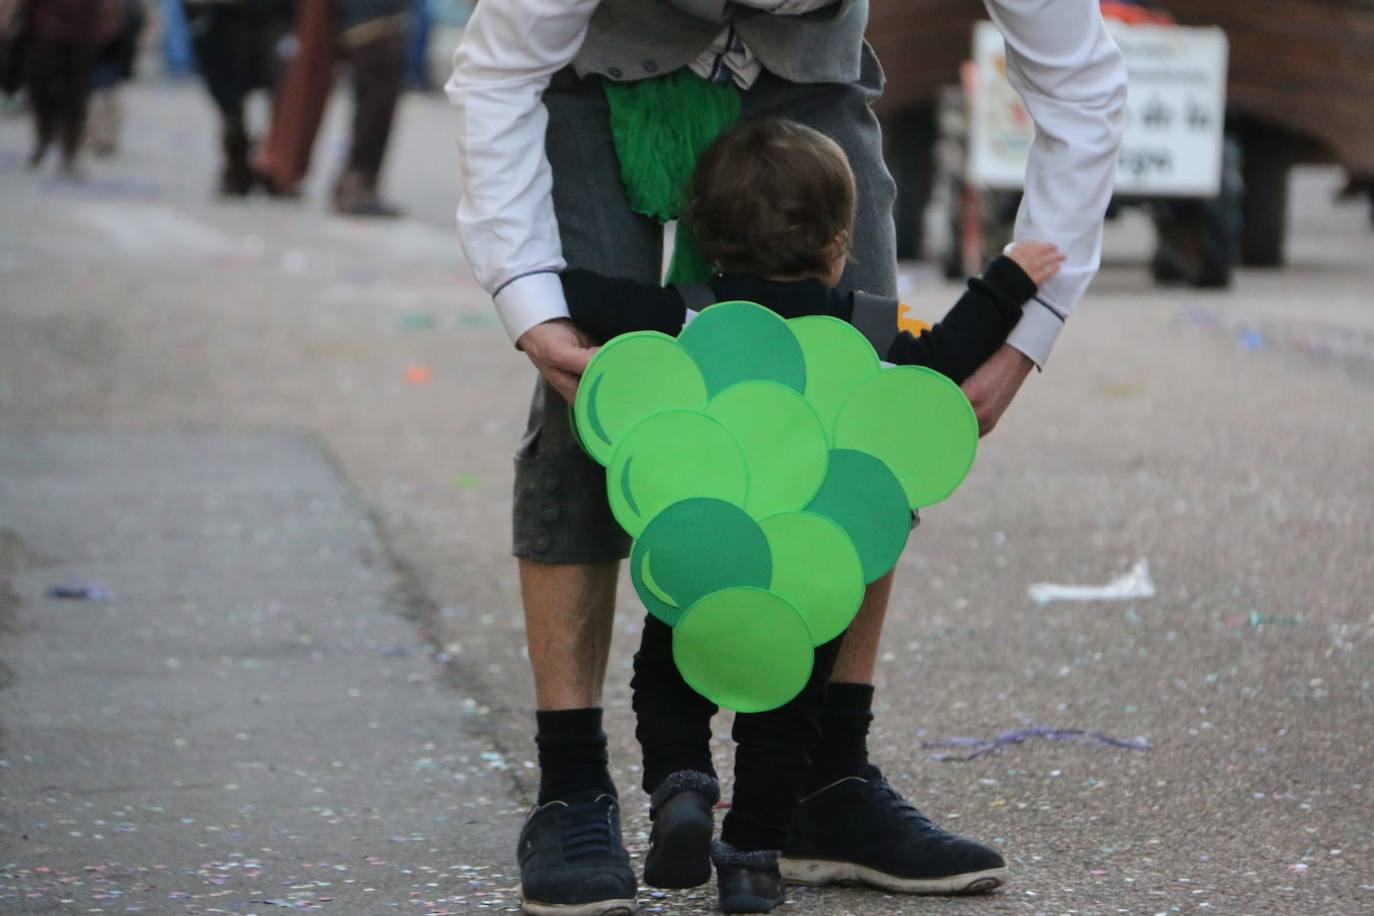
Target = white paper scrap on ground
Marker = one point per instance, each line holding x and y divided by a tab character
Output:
1135	584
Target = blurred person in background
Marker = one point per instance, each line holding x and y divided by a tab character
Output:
173	37
11	47
371	35
113	65
417	47
62	40
236	48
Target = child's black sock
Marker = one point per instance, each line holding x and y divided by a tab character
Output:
843	748
572	754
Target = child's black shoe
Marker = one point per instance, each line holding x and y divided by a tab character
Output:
681	810
749	882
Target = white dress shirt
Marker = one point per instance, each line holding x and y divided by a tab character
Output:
1059	56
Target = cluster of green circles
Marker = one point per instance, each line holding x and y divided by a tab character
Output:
767	470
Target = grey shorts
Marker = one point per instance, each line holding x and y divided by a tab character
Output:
560	513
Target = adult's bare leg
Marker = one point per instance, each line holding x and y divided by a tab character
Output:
571	855
859	653
569	608
568	616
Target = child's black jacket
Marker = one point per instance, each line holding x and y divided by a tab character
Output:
970	332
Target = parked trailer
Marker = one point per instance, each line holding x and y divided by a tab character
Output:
1300	89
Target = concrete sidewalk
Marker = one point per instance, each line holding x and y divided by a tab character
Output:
249	721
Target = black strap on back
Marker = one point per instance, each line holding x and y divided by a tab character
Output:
876	319
874	316
696	296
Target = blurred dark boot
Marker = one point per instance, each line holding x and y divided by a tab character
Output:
355	194
378	66
237	178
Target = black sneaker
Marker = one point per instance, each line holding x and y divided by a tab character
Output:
682	812
573	863
860	830
749	882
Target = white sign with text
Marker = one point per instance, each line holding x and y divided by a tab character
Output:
1175	112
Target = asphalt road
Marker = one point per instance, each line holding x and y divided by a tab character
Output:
1222	437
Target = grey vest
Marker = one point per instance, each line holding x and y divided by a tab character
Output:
638	39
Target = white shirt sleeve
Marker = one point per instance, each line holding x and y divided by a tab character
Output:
1070	74
509	51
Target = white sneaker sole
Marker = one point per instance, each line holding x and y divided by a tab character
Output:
598	908
823	871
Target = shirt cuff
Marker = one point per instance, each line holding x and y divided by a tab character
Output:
1036	332
529	300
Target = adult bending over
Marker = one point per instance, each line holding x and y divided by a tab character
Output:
543	190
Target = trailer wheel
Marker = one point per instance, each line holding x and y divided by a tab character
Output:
1199	240
1268	161
952	258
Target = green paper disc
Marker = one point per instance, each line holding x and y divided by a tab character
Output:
919	423
862	496
695	547
740	341
671	456
631	377
817	570
744	648
783	443
838	358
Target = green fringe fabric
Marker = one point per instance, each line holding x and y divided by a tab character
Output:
661	127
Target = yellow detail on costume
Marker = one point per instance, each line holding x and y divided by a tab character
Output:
913	325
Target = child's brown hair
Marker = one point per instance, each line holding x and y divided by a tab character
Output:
771	197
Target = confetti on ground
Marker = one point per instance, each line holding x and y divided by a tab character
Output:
1309	339
1134	584
101	187
417	321
78	592
418	374
971	748
484	319
1121	389
1256	619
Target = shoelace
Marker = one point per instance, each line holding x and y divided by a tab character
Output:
897	803
586	831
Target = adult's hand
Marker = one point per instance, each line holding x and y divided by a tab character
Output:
992	386
560	352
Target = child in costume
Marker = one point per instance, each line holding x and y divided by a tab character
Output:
771	205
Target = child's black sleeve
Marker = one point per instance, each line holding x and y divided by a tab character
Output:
606	306
974	328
